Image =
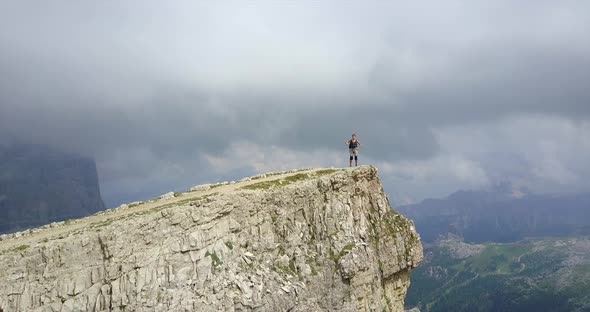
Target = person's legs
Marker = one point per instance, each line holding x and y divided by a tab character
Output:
351	152
356	157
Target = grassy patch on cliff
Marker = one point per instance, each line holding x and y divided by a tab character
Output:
325	172
216	261
189	201
261	185
229	245
289	270
102	223
21	248
265	185
345	250
17	248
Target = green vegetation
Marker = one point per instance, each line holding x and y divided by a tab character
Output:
189	201
152	210
229	245
281	250
292	265
17	248
345	250
331	254
274	216
496	259
522	276
322	172
265	185
21	248
388	303
216	261
296	177
289	270
102	223
283	269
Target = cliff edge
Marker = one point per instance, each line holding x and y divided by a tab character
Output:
310	240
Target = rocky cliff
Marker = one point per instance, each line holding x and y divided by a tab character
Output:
311	240
39	185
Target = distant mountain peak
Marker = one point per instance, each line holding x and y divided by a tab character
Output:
40	185
503	213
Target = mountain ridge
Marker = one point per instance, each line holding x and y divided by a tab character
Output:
39	185
481	216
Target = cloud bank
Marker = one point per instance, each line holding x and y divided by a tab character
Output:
443	95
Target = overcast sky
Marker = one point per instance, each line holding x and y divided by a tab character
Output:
444	95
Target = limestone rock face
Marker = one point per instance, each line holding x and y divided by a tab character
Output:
313	240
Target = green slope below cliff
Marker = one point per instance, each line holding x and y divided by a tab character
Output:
538	275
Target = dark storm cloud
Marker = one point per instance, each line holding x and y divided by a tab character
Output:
152	90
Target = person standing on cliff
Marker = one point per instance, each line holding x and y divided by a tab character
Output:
353	148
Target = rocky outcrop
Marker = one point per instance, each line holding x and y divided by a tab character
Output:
314	240
39	185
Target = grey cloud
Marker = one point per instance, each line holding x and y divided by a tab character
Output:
175	82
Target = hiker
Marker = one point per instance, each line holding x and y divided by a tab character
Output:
353	148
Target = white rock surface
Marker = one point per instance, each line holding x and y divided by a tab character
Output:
325	243
167	195
202	187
